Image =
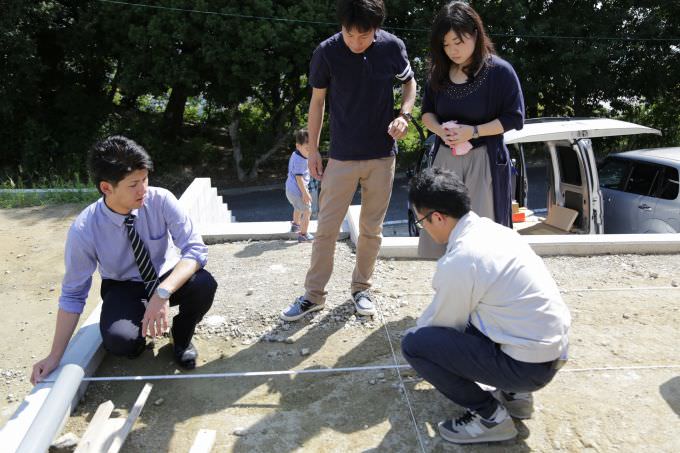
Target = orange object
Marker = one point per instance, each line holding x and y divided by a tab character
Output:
519	217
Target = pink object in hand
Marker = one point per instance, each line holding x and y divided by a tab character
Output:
461	148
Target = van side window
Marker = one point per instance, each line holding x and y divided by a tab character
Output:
668	184
613	173
642	178
570	170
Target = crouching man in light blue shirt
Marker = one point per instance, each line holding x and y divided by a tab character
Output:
132	233
496	318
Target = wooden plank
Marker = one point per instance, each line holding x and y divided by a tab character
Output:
131	419
95	427
205	439
107	432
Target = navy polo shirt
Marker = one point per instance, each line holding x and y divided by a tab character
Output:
360	93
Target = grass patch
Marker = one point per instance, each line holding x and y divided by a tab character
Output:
15	195
18	198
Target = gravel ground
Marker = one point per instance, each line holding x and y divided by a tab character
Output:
579	411
597	410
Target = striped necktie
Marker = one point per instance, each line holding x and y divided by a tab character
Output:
146	270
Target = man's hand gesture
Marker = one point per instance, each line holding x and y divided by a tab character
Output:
315	164
155	321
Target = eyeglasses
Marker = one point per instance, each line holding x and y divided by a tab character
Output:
419	222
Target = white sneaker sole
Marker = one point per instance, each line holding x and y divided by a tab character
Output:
493	437
363	312
316	307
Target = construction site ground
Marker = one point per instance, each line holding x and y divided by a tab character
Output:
626	319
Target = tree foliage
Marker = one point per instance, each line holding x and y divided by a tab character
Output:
72	71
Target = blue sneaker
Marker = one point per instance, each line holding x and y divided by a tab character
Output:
305	237
363	303
299	308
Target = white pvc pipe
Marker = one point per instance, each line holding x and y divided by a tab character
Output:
49	420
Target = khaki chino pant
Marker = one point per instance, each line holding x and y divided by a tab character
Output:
339	183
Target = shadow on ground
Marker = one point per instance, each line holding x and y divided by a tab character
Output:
257	248
670	391
322	412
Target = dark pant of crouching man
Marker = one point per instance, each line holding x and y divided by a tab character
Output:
496	318
124	305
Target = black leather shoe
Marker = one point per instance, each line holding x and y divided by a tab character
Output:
186	358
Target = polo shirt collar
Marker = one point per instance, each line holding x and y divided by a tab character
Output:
464	223
376	38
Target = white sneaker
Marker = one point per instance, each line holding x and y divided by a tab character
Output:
472	428
519	405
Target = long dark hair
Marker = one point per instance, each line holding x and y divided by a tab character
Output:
462	19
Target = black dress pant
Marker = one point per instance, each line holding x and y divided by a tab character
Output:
124	307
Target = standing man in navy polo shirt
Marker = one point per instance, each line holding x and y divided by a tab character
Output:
356	69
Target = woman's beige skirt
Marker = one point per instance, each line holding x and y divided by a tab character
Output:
474	170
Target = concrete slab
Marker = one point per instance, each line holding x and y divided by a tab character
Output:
214	233
543	245
203	204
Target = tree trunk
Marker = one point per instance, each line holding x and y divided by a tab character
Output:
237	152
280	141
173	117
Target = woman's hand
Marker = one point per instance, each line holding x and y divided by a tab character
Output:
448	135
462	133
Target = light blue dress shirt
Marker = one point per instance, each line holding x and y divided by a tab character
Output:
98	237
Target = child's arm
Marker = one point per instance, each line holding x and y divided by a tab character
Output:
303	188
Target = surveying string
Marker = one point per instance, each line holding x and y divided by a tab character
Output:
169	377
401	380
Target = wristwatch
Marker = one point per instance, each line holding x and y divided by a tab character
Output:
475	132
163	293
407	116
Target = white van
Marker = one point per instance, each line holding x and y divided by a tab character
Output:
573	181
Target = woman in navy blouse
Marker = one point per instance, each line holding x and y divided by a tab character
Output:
472	96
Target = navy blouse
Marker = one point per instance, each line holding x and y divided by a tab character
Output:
494	93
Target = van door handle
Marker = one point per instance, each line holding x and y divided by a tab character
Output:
645	207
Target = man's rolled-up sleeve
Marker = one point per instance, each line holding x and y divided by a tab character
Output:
184	234
80	261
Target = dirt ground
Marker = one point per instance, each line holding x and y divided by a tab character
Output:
595	410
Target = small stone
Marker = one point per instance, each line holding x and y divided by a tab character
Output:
381	375
625	316
158	402
240	432
304	351
653	275
7	272
290	340
371	381
52	289
67	442
674	283
249	292
20	256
